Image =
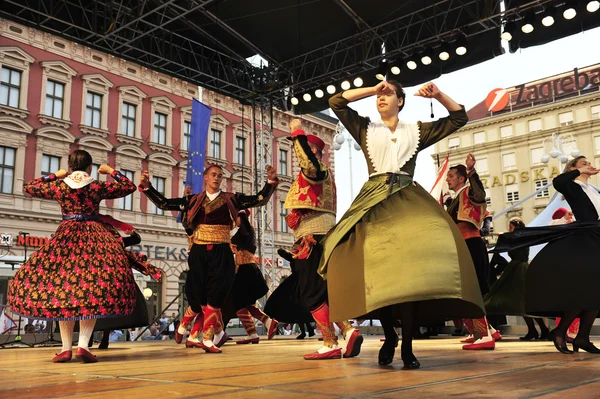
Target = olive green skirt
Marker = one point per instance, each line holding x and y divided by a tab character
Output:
403	248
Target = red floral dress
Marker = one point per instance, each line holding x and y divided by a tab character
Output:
83	271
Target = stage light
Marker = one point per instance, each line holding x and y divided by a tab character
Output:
382	70
395	70
549	14
331	89
528	23
412	63
345	85
570	10
319	93
358	82
509	30
306	97
461	45
444	54
294	101
426	56
593	6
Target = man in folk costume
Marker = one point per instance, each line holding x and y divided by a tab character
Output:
312	200
211	216
468	210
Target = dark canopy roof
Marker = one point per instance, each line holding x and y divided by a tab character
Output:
308	43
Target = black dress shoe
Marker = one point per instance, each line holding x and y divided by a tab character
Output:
386	353
409	360
301	336
586	346
560	343
530	336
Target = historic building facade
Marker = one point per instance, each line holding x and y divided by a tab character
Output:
510	132
56	96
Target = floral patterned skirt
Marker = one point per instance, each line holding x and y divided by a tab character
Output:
83	272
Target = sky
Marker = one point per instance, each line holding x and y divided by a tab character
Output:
468	86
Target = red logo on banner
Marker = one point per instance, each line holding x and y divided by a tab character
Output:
497	100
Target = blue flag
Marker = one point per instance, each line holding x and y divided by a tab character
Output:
197	147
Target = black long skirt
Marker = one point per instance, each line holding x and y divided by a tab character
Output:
249	286
564	276
284	305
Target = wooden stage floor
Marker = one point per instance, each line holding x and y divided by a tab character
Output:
275	369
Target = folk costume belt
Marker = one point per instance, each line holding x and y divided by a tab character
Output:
80	217
211	234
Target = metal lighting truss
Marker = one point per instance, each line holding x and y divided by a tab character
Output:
163	36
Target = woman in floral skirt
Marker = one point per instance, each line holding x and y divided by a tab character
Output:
83	272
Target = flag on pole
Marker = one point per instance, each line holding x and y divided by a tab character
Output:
440	186
197	147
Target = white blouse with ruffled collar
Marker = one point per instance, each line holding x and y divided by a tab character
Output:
390	151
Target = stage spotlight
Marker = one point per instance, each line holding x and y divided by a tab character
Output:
358	82
444	54
294	101
331	89
549	14
307	97
345	85
395	70
412	63
426	56
461	45
509	30
593	6
528	23
319	93
382	70
570	10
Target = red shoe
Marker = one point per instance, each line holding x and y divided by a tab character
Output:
381	339
178	337
497	336
248	341
63	357
210	349
353	344
332	354
491	345
85	356
192	344
222	341
272	330
469	340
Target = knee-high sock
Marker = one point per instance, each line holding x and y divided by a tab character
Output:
186	320
66	334
245	317
480	326
469	324
407	317
258	314
321	316
387	322
220	325
211	320
344	327
197	327
86	329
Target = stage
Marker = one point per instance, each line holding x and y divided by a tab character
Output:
275	369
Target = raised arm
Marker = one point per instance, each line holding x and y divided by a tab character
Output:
41	187
121	187
476	188
161	202
310	165
432	132
244	201
561	182
354	123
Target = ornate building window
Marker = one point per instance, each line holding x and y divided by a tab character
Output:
130	103
14	64
57	79
96	90
162	122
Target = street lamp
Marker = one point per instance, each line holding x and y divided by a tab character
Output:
147	293
560	146
338	140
